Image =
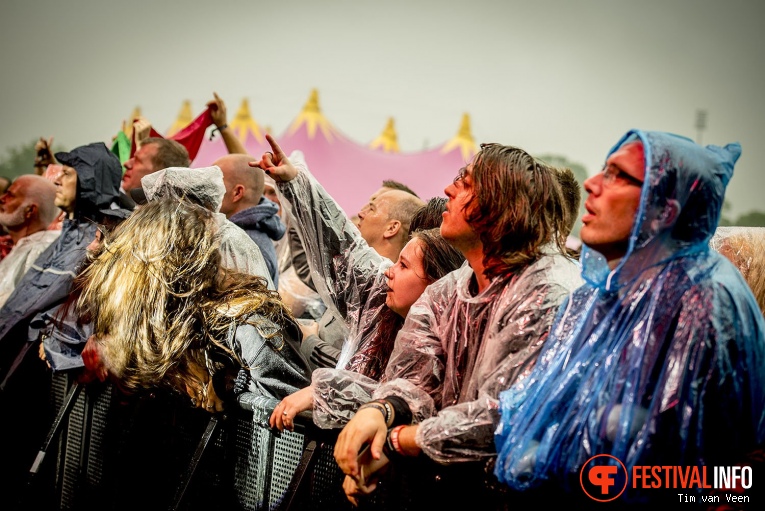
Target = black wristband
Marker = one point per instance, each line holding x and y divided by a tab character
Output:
403	414
218	129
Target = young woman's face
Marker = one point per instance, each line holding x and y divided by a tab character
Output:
406	279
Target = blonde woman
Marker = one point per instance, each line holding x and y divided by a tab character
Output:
167	314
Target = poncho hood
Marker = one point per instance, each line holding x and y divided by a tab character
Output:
658	362
98	175
677	169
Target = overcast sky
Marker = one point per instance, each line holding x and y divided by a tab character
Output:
551	76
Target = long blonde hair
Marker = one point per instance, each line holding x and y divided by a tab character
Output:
158	297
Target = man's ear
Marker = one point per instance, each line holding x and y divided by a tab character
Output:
31	211
393	228
238	193
668	215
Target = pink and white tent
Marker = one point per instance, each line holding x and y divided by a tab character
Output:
349	171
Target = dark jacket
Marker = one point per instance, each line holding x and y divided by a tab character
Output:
263	225
47	283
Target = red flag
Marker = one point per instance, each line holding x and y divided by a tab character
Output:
190	137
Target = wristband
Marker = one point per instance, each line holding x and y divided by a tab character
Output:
393	441
390	413
218	129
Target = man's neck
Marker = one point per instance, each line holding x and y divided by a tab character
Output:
23	232
474	258
387	249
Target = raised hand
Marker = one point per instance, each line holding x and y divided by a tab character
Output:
276	164
218	111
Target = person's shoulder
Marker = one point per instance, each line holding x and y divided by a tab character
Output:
452	280
553	270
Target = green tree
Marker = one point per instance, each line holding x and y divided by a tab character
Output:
751	219
581	174
724	215
19	160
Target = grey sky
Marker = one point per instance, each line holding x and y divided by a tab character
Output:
551	76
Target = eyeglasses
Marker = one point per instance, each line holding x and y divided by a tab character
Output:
461	175
612	175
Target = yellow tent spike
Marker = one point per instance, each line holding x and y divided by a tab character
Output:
184	119
463	140
127	125
388	139
312	117
243	123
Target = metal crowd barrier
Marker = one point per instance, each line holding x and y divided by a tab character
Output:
109	452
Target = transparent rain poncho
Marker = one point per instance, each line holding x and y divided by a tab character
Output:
206	186
745	248
348	274
455	350
658	362
454	354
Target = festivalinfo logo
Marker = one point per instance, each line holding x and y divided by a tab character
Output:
604	478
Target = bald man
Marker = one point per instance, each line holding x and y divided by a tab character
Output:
384	221
244	205
26	209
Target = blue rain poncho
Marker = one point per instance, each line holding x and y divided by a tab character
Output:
658	362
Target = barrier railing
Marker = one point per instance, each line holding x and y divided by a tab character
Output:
114	452
106	451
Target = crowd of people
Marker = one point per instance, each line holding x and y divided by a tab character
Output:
457	345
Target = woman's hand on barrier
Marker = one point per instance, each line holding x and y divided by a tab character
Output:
366	427
283	416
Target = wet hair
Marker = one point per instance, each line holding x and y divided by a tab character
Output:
438	259
438	256
106	224
160	300
169	153
572	196
517	208
428	216
395	185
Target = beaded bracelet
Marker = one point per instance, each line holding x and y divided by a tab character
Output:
390	413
